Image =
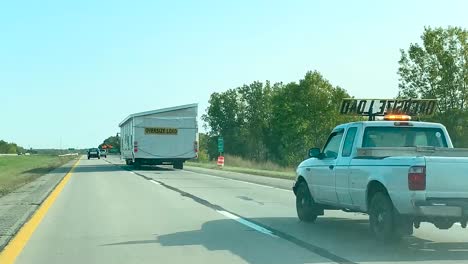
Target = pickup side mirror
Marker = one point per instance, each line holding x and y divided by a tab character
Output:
314	153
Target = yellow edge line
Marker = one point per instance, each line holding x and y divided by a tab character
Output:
16	245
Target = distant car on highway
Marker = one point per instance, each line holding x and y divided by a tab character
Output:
94	153
103	153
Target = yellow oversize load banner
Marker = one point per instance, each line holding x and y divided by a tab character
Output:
160	131
381	107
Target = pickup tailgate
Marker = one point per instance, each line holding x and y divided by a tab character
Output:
446	177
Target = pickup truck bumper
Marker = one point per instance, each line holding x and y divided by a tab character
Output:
456	207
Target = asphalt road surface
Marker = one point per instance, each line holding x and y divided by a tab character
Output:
110	214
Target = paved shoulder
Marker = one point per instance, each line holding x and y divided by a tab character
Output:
18	206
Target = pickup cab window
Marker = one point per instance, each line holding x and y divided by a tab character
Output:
333	145
404	137
349	141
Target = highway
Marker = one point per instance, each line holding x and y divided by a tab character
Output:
108	213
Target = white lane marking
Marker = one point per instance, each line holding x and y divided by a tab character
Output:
257	184
251	183
132	172
155	182
246	223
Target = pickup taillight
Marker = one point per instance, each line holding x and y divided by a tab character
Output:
135	146
417	178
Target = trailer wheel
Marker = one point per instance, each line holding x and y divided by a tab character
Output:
179	165
136	165
443	223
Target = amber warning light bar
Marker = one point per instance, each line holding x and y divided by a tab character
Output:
383	107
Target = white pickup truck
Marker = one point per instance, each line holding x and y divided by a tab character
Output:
401	173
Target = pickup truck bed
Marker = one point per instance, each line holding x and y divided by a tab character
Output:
411	151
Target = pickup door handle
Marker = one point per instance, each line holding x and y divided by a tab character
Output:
308	169
331	167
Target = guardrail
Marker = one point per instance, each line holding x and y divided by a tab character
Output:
8	155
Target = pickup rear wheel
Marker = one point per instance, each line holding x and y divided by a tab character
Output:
306	208
381	218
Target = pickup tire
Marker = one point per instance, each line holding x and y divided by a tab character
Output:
382	218
306	208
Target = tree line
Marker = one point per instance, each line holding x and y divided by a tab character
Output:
279	122
276	122
10	148
439	69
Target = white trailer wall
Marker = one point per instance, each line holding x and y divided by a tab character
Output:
180	145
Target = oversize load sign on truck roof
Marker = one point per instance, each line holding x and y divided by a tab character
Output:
381	107
160	131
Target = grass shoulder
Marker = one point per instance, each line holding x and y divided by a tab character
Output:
16	171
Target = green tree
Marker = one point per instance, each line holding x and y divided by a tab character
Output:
3	147
206	148
9	148
114	141
256	103
439	69
225	117
274	122
241	116
303	113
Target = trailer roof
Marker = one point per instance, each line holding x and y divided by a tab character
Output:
157	111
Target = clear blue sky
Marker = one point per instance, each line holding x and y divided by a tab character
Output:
70	71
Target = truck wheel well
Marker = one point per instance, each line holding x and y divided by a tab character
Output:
372	188
300	179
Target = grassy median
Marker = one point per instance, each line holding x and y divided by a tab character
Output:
16	171
236	164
